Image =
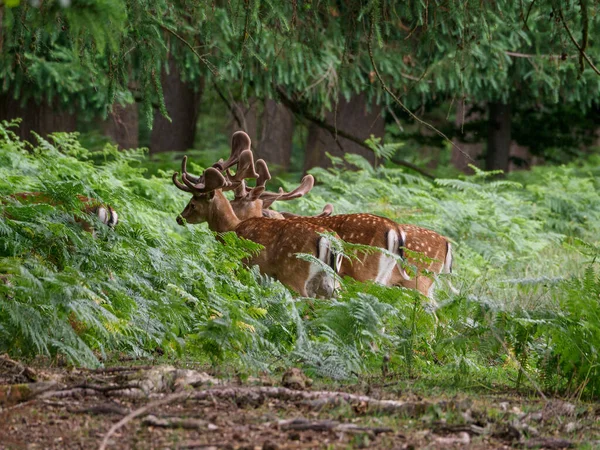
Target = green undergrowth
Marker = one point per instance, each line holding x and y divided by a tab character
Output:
526	315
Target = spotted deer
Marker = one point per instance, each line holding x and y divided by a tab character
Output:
281	239
428	254
105	213
364	229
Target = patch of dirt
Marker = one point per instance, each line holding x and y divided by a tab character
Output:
164	407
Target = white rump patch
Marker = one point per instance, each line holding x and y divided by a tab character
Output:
114	218
103	214
448	260
387	263
338	262
324	250
402	244
319	283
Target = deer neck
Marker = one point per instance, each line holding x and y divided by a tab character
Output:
245	209
221	216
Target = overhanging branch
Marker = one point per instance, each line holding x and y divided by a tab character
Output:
399	102
576	44
292	106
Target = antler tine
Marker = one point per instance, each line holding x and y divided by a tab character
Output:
263	176
213	179
245	168
241	191
306	185
327	211
240	141
263	173
192	178
178	183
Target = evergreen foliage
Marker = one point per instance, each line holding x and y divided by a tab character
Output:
87	54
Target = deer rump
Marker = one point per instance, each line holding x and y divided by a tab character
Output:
282	243
381	233
105	213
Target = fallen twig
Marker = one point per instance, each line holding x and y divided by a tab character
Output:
110	388
139	412
11	394
68	393
548	443
300	424
257	394
467	428
179	422
101	409
121	369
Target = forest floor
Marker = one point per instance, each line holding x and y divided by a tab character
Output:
166	407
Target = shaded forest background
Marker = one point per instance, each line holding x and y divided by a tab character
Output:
500	85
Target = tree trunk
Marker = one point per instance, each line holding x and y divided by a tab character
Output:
122	125
183	103
43	118
471	151
354	118
276	136
498	148
248	114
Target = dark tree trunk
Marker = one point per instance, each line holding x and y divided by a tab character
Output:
248	115
183	103
354	118
42	118
471	151
275	145
498	147
122	125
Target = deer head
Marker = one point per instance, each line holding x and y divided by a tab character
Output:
212	182
281	239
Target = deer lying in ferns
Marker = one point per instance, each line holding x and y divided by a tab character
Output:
105	213
281	239
366	229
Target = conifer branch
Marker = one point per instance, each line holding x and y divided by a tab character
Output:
191	47
231	108
575	43
399	102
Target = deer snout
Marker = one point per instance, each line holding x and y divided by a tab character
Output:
180	220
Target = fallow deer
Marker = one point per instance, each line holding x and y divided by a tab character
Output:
105	213
365	229
429	253
281	239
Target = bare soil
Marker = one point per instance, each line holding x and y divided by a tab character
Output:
49	409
